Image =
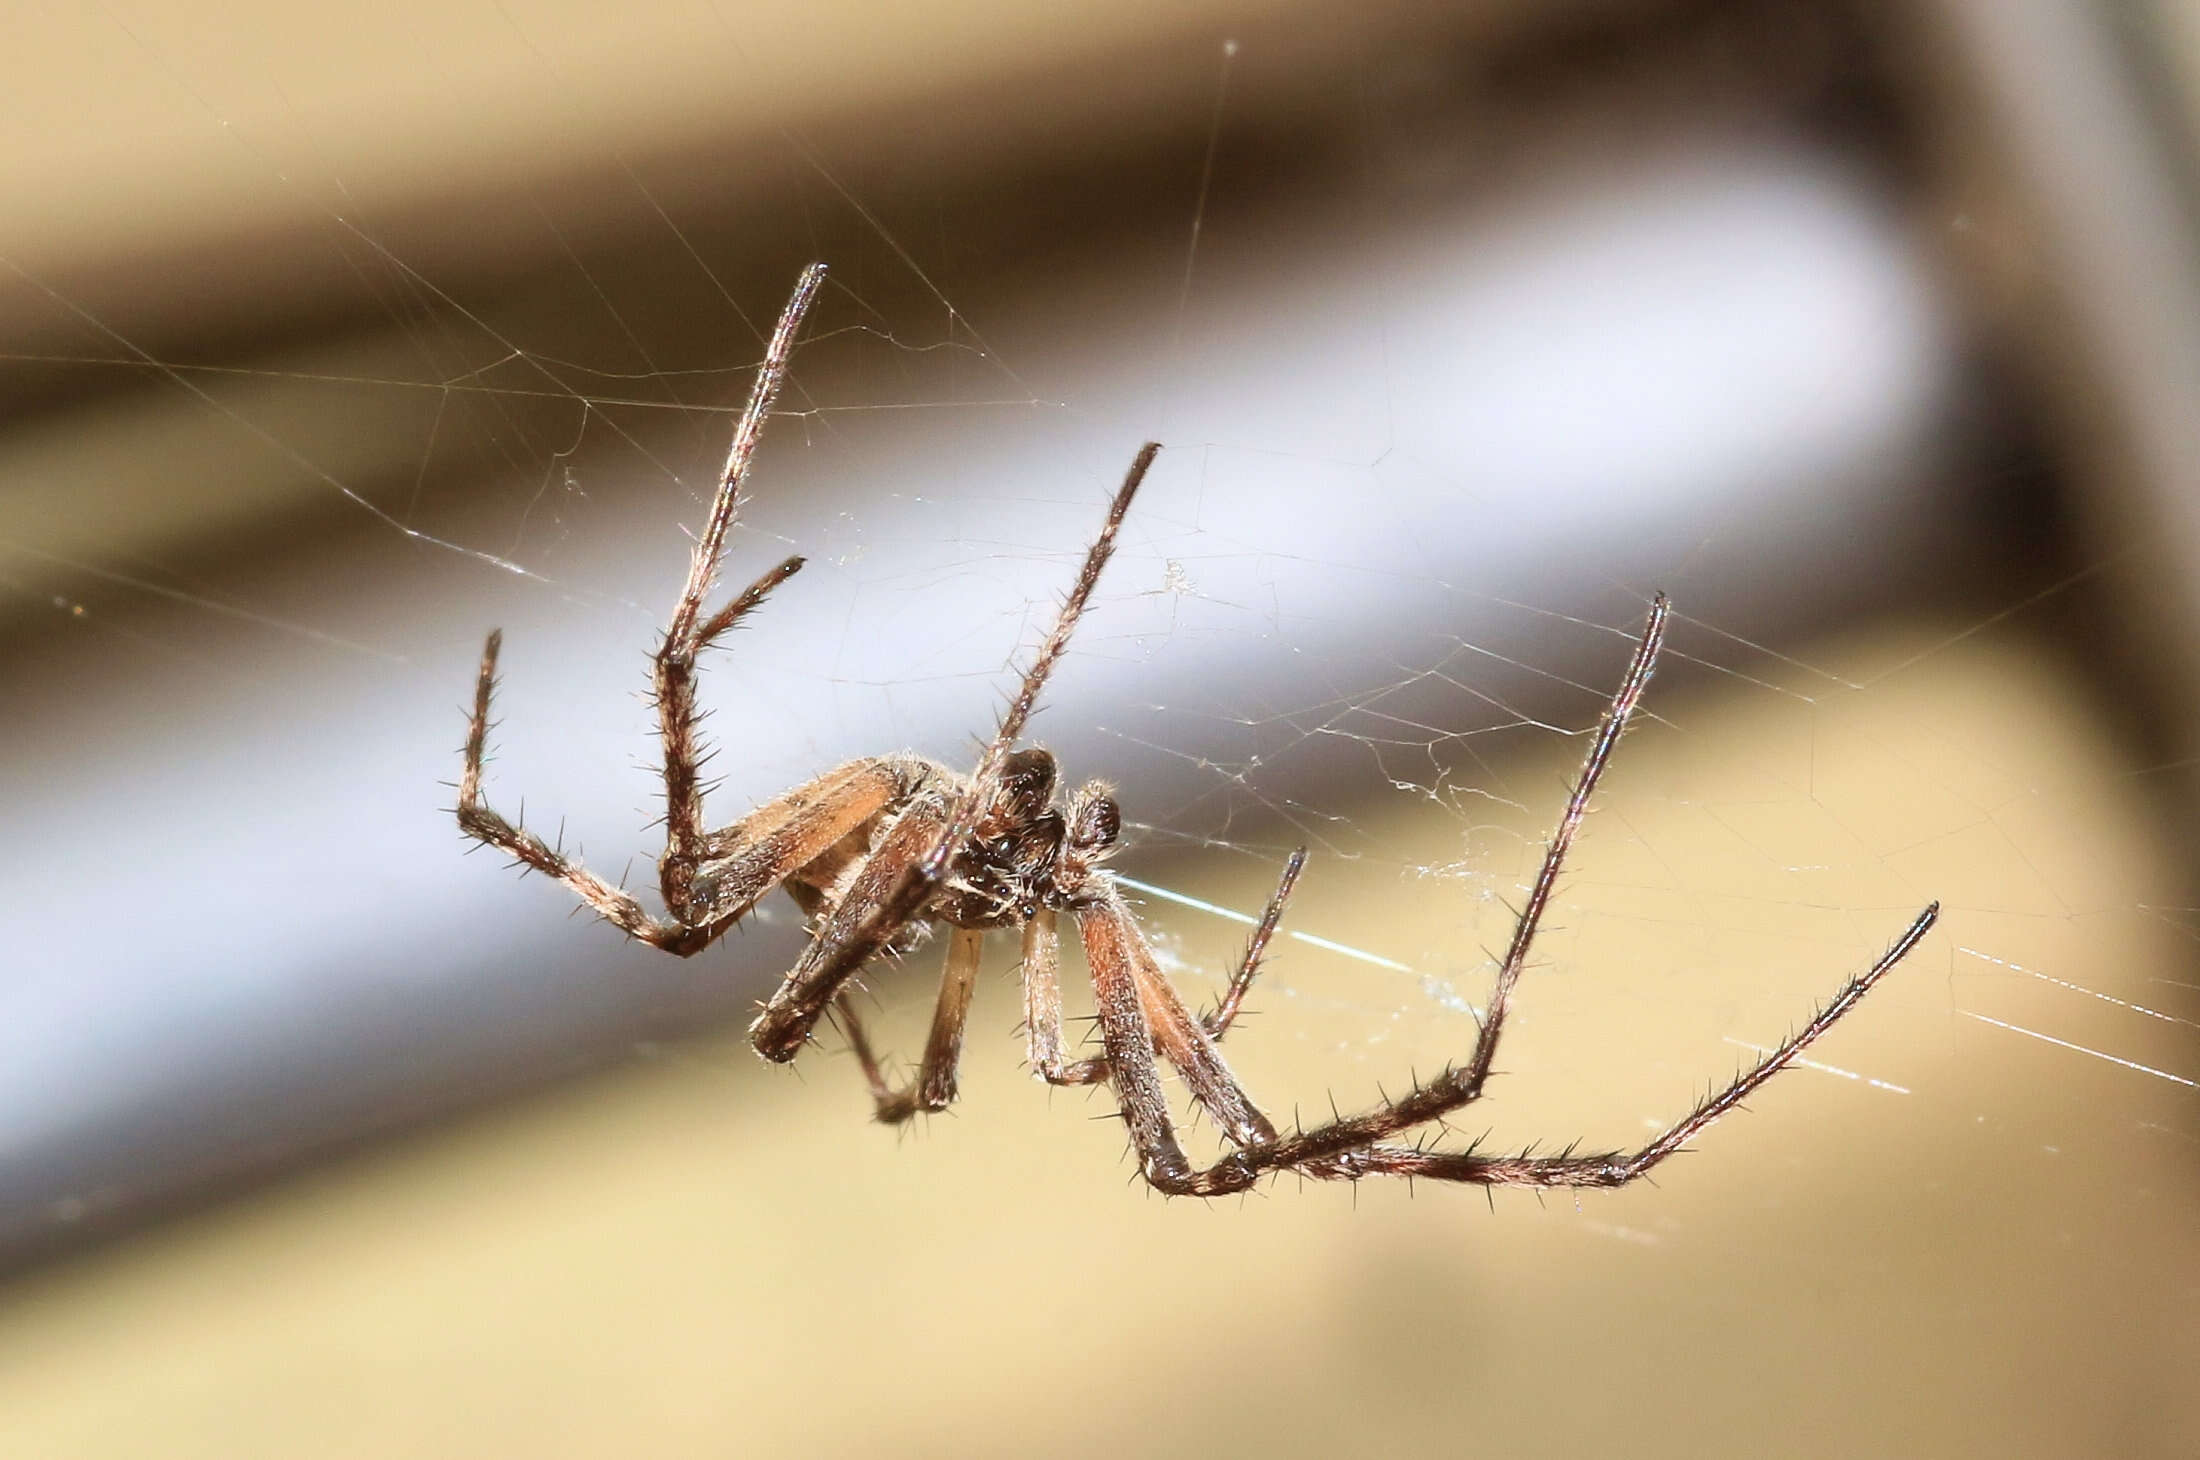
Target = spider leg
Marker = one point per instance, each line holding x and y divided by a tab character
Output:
1218	1020
1461	1084
1128	1013
1135	1075
1354	1146
784	1026
739	865
771	859
921	876
934	1087
1043	988
673	681
711	545
1118	954
742	863
1619	1169
478	820
1041	972
688	633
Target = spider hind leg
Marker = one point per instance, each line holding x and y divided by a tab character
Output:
1136	1025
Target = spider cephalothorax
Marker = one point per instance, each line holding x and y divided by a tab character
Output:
880	852
1026	852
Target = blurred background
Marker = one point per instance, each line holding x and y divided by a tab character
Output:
1869	332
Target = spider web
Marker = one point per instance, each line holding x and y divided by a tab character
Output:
1440	411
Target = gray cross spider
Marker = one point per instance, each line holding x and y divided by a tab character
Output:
878	850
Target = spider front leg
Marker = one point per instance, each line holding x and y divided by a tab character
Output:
1319	1152
1125	975
1620	1168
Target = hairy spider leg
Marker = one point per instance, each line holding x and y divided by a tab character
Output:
688	633
1120	958
1618	1169
1043	989
1217	1021
744	862
783	1027
480	821
934	1087
1122	980
1352	1146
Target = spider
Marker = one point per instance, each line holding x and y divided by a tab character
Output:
879	851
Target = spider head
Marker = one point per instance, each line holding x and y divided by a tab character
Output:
1001	874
